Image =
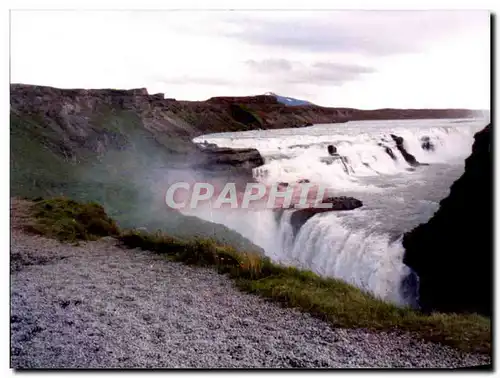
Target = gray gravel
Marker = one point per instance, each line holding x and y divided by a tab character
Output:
99	306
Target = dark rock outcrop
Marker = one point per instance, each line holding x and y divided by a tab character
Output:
283	186
299	217
410	159
215	158
388	151
452	253
332	150
206	145
226	164
427	144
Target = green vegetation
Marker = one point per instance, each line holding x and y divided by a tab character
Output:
243	114
329	299
68	220
108	156
118	163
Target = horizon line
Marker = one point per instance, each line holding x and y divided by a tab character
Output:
252	95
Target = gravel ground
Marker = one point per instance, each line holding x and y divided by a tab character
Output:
99	306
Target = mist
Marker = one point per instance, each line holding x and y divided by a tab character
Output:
134	183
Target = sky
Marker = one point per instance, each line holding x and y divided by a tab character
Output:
358	59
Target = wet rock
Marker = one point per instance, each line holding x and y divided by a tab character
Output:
409	158
452	252
282	186
299	217
332	150
427	144
205	145
213	157
388	151
409	289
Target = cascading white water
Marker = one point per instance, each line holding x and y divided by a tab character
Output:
357	246
362	257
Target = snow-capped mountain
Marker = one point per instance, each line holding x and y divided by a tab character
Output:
290	101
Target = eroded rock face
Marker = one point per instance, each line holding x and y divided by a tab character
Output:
410	159
452	253
427	144
332	150
236	157
388	151
189	119
300	217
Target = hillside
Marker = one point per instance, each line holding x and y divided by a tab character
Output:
122	147
169	117
113	147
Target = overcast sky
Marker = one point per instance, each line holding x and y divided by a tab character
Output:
363	59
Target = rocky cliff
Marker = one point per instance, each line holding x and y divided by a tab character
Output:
119	148
193	118
122	147
452	253
78	125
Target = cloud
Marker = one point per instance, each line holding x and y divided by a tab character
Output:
333	73
269	65
317	38
198	80
318	73
360	32
334	58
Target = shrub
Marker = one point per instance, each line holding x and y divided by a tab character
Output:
68	220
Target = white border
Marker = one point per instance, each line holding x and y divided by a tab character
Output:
173	4
255	4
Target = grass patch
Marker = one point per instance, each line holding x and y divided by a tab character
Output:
68	220
48	159
329	299
198	251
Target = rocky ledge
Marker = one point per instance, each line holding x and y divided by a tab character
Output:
220	157
409	158
225	164
300	217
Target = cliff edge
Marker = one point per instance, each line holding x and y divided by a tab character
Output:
452	253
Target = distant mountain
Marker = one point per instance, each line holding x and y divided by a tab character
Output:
290	101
